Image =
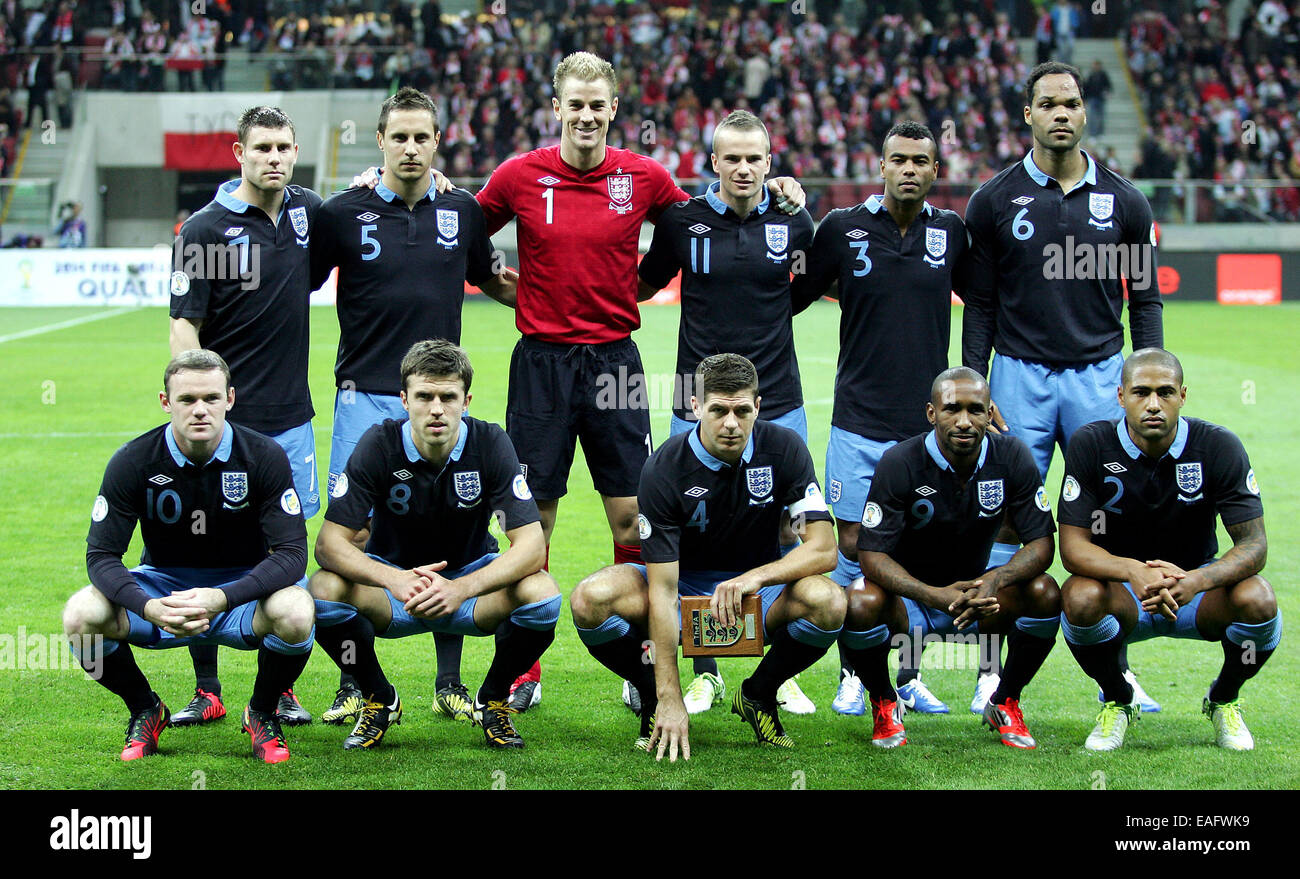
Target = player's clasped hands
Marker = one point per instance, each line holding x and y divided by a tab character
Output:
438	598
1164	589
671	732
963	600
185	613
979	600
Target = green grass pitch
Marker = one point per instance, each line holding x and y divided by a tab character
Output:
69	397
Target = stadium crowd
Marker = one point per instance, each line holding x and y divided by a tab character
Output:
828	83
829	86
1222	94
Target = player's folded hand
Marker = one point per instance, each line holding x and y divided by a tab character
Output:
725	601
997	423
672	731
178	614
440	181
1148	579
1163	603
408	584
789	195
438	599
1169	569
954	598
368	178
976	609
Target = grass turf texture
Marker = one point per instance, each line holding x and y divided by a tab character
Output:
70	397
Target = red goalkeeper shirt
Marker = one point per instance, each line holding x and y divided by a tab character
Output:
578	233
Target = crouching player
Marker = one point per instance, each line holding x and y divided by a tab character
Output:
433	481
935	505
710	505
203	490
1137	509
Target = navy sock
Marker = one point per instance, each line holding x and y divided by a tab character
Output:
624	657
121	676
448	649
518	648
785	659
276	672
1101	663
1025	656
871	665
204	657
1236	671
364	670
702	664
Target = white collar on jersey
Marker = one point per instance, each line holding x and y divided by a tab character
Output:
875	203
932	446
708	460
1175	451
223	447
413	454
716	202
1089	176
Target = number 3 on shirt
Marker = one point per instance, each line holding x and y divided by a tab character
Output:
860	251
366	239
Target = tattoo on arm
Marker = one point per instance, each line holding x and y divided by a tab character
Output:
1245	559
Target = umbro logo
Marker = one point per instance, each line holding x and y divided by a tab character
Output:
855	234
696	491
367	217
160	479
233	231
1114	467
698	229
402	474
1023	200
925	491
548	180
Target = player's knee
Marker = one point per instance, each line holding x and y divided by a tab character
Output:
86	612
865	607
826	602
1042	597
292	613
534	588
1253	601
328	586
591	598
1083	600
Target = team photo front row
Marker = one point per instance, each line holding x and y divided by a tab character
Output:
405	548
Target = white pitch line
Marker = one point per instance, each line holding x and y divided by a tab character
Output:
64	324
61	435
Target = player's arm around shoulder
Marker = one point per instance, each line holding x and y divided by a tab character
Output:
661	262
